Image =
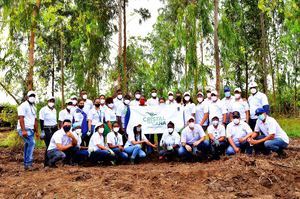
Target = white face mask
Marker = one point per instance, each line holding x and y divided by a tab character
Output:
84	96
119	97
100	130
137	96
31	99
253	90
102	101
153	94
200	99
127	101
237	96
50	104
187	98
170	130
110	105
69	107
171	97
236	121
214	98
116	129
215	122
192	125
74	102
208	95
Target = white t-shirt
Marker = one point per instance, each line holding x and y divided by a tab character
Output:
170	102
257	101
188	110
121	112
65	114
216	132
59	137
48	115
88	105
201	108
113	139
216	109
29	113
134	103
96	116
152	102
77	115
227	103
95	140
241	106
131	138
170	140
237	131
271	126
110	115
190	136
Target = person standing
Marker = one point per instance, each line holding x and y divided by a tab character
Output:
88	104
201	108
240	105
227	101
170	99
256	100
95	116
81	117
189	108
28	127
48	123
153	101
66	113
136	100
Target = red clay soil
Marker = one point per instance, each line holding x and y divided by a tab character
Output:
239	176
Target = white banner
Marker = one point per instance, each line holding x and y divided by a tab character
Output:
154	119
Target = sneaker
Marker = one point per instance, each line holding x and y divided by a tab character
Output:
131	161
30	168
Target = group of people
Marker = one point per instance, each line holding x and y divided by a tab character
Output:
95	131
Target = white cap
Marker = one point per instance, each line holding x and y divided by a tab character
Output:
30	93
191	117
252	84
73	96
50	97
170	92
200	93
97	125
186	93
208	88
238	90
214	92
68	101
216	117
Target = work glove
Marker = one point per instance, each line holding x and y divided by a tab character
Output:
89	133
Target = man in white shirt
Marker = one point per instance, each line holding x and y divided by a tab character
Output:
95	116
153	101
136	100
170	143
227	100
193	140
88	104
62	145
48	123
81	154
170	99
240	105
273	138
27	127
201	109
256	100
80	116
216	134
115	143
66	113
238	133
123	113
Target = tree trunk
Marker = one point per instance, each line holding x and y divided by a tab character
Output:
62	72
216	47
263	52
53	72
120	42
9	93
124	49
247	73
29	82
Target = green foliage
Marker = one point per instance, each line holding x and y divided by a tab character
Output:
14	141
291	126
9	114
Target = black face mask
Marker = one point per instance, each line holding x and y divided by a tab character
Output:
97	105
67	128
178	99
81	106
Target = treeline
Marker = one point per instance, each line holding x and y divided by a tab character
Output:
194	44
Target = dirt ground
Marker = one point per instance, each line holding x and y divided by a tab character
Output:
240	176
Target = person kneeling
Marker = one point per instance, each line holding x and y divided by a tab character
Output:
115	143
273	138
193	141
170	143
98	152
238	133
133	146
63	145
216	134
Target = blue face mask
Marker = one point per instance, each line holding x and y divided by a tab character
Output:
261	117
227	94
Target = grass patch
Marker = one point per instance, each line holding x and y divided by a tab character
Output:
14	141
291	126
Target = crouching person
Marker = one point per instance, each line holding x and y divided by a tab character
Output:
273	138
63	145
238	133
115	143
82	153
193	141
97	150
170	143
216	133
133	146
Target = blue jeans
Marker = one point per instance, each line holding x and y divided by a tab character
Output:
81	156
218	150
244	147
135	151
203	147
29	144
100	155
276	145
120	155
54	156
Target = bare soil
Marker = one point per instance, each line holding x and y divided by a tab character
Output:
239	176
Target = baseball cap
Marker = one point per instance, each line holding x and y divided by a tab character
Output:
236	114
30	93
186	93
238	90
259	111
226	88
252	84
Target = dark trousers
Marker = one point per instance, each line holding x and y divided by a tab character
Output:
252	123
49	131
86	140
218	150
